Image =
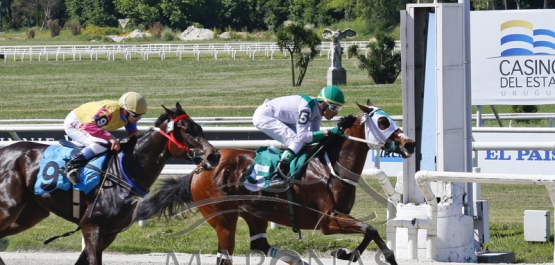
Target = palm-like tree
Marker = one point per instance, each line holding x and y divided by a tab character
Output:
299	41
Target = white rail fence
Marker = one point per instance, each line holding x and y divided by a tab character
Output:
161	51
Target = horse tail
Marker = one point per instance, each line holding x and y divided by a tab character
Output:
172	197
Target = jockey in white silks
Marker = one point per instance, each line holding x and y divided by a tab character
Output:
294	121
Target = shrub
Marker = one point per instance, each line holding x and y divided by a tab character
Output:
168	35
217	32
54	27
74	26
95	30
31	34
383	64
156	29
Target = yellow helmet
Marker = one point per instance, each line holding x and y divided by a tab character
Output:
133	102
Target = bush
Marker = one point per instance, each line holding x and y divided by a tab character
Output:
74	26
168	35
31	34
156	29
383	64
95	30
54	27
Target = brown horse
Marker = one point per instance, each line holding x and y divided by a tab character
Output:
321	199
106	213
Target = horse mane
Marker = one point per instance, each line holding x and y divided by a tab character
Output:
346	121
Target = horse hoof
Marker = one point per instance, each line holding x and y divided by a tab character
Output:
340	254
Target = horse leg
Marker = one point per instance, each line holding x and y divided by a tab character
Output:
259	240
343	224
225	226
92	254
25	218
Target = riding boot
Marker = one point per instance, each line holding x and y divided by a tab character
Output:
278	179
71	169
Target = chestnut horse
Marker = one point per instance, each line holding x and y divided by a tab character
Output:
105	213
321	199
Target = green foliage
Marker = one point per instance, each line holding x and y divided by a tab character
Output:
168	35
383	64
524	109
140	12
296	39
98	12
94	30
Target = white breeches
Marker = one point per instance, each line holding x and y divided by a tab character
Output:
74	129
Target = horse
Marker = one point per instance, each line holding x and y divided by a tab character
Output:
322	199
110	207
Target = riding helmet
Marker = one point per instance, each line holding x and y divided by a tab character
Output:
133	101
332	94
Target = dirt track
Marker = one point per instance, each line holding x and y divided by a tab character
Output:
29	258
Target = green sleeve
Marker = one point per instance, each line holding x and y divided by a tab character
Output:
317	135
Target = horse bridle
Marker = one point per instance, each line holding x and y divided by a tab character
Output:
376	133
171	137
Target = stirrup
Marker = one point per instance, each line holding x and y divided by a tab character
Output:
277	181
71	176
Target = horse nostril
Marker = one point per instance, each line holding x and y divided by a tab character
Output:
410	146
214	158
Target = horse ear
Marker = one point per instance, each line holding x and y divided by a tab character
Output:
169	112
177	105
364	108
369	103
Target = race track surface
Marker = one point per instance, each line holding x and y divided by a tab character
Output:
43	258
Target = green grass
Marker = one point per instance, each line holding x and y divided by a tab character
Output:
33	89
227	88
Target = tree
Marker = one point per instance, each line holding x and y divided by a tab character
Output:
93	12
384	65
49	7
296	39
140	12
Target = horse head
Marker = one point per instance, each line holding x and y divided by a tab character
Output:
383	130
186	138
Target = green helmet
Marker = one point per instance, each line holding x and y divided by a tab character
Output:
134	102
332	95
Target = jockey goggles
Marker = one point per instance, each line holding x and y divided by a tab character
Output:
135	115
333	107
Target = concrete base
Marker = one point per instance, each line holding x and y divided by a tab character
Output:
337	76
495	257
453	245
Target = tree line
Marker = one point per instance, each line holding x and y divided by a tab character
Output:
239	15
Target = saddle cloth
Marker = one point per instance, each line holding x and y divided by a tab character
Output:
265	163
50	177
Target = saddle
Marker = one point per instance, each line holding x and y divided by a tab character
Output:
54	158
264	164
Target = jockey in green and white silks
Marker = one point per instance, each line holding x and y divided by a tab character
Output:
294	121
89	124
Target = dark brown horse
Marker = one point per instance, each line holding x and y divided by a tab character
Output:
143	159
322	199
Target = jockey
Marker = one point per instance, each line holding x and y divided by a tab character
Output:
294	121
89	124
